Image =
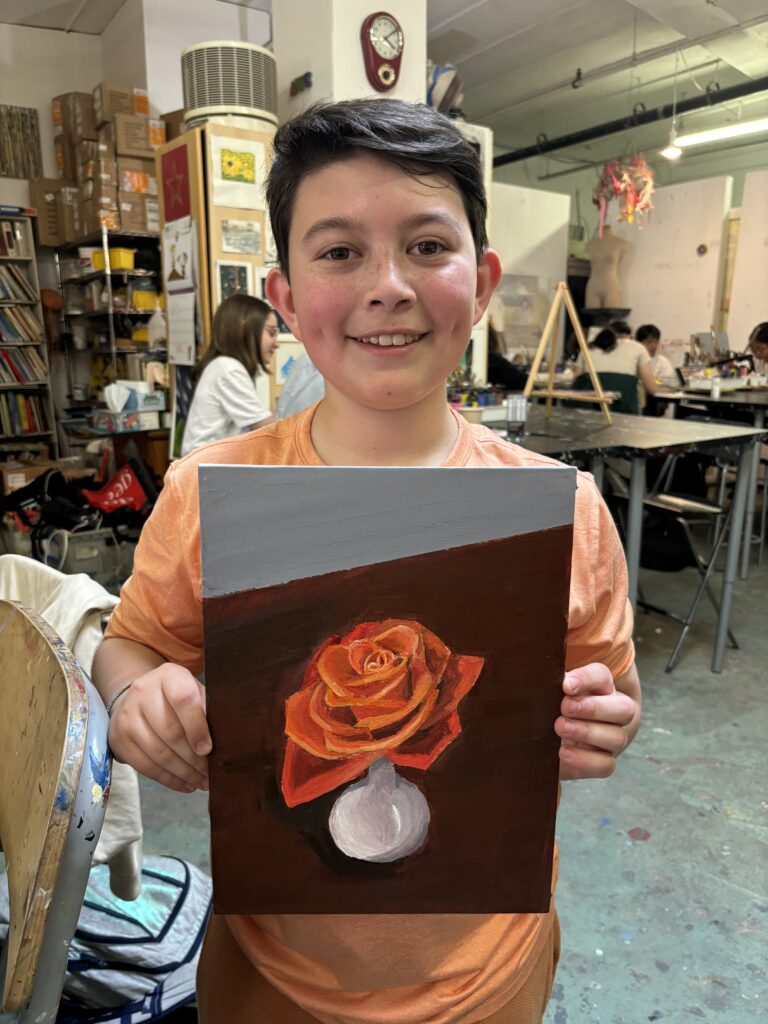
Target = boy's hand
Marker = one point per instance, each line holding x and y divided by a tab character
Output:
159	727
599	719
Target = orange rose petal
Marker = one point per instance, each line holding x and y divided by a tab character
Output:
300	727
341	746
359	651
459	677
423	750
334	668
306	777
422	681
402	639
371	693
328	719
437	654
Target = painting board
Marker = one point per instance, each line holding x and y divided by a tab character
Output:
359	556
234	276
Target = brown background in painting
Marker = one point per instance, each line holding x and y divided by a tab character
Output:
492	793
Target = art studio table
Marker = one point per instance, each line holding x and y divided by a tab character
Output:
755	402
572	433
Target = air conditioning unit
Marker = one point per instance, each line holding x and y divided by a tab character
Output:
228	78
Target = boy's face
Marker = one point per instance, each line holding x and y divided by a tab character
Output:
385	287
651	346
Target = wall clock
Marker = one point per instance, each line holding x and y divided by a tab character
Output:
382	40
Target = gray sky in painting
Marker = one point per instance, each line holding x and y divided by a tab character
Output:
265	525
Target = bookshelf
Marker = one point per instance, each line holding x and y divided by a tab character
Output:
26	409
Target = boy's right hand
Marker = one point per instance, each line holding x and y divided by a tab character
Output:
159	727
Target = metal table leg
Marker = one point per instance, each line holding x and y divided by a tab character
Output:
596	468
635	525
754	471
732	554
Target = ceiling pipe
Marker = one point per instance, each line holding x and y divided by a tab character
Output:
711	98
617	66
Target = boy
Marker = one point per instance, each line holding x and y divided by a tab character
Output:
378	213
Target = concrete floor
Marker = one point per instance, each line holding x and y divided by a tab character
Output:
663	891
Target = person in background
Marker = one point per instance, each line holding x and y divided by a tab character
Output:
625	359
621	329
650	336
758	347
501	371
225	402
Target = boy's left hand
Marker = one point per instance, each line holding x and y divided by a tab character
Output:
599	719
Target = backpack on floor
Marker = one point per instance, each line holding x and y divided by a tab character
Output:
133	962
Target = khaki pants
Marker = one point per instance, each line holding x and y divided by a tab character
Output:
231	991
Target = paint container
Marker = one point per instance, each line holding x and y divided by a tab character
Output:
716	387
516	409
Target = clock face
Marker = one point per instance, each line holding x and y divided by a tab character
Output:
386	37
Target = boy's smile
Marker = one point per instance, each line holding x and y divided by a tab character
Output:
384	281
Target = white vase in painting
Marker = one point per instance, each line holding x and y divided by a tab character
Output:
381	818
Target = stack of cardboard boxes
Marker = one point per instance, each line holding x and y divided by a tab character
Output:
105	144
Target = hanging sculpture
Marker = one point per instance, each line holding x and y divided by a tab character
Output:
629	181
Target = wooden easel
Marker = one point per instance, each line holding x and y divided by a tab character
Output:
549	338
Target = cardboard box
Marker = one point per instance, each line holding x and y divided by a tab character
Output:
64	153
110	99
174	124
68	212
73	115
135	174
101	197
15	475
90	150
94	217
102	171
107	138
138	212
137	136
42	195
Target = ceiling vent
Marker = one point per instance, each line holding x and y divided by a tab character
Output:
229	78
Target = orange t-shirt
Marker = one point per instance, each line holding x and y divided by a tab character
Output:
375	969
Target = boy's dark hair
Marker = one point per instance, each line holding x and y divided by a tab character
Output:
414	137
760	333
238	325
606	340
647	331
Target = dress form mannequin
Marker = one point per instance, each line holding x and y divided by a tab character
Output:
605	255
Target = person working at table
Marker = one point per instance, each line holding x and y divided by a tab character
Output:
501	371
620	366
758	347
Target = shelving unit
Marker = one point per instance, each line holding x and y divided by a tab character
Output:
110	276
26	408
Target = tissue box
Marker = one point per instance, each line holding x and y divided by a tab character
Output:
115	422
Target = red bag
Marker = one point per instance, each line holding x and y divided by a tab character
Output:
122	491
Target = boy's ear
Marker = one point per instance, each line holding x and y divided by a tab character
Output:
488	276
280	296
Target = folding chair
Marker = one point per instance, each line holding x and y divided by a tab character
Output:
54	777
686	513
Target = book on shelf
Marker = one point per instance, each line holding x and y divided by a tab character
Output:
19	323
23	366
22	414
15	286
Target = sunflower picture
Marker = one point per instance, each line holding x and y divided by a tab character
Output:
238	165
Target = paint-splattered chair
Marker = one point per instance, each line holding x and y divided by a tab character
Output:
54	774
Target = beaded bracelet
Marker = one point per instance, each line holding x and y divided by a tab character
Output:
119	693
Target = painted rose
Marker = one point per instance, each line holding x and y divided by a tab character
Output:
387	689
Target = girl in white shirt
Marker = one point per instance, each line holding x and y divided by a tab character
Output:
225	402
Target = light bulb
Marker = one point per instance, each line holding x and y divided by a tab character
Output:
672	151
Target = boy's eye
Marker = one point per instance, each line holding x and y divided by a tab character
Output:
429	247
339	252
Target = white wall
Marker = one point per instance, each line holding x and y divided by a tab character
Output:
529	230
172	25
749	304
665	281
122	47
324	38
37	64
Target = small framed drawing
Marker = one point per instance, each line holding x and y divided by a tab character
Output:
234	277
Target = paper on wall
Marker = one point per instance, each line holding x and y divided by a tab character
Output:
181	328
239	172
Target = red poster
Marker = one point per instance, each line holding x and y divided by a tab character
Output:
175	167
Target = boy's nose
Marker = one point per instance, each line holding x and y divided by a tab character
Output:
390	285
